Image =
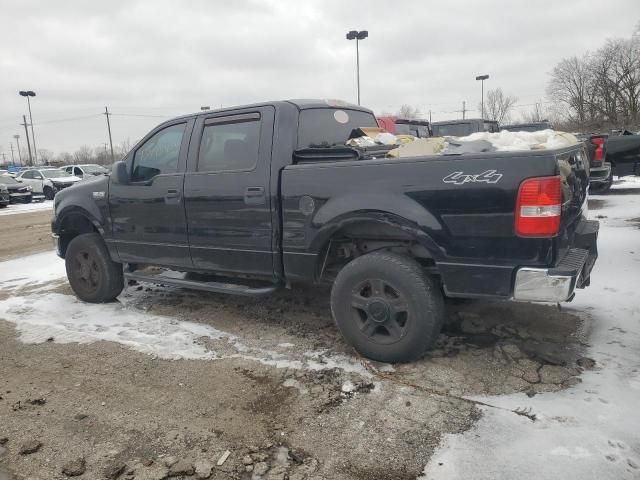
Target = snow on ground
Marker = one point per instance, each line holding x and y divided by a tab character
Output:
590	431
17	208
40	314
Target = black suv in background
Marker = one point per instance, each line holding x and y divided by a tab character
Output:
462	128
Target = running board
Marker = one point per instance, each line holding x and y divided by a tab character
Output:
171	278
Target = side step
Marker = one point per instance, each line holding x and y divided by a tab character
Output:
177	280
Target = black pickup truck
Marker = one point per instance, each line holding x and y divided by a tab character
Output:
268	195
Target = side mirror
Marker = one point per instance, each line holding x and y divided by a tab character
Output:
119	173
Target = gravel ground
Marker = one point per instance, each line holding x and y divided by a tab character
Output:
287	398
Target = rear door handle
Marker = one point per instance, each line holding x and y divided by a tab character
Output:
254	196
172	193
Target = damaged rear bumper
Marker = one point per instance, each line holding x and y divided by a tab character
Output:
558	283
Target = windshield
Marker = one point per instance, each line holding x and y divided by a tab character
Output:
327	126
8	180
452	129
94	169
54	173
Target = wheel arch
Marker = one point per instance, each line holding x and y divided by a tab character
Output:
73	222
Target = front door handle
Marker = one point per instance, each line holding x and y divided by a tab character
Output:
254	196
172	196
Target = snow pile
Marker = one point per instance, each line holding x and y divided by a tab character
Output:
16	208
518	141
589	431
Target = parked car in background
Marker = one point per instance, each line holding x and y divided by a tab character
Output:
600	172
623	152
47	181
462	128
405	126
18	191
4	196
528	127
87	170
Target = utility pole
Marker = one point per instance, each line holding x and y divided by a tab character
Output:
4	157
13	160
17	137
429	116
26	132
106	112
464	109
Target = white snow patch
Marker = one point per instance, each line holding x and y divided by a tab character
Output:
40	314
515	141
591	430
18	208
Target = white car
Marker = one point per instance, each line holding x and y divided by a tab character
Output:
84	171
47	181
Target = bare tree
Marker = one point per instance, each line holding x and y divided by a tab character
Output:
407	111
497	105
537	114
83	155
45	156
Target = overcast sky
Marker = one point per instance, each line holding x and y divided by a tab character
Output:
153	58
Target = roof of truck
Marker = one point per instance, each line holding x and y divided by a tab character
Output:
468	120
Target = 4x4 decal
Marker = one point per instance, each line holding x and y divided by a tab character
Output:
460	178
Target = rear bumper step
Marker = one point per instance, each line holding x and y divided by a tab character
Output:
177	279
558	283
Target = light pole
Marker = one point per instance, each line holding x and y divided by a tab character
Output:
357	36
482	78
17	137
28	94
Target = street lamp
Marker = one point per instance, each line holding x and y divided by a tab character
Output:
482	78
357	36
29	93
17	137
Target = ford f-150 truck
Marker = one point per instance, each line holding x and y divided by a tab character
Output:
268	195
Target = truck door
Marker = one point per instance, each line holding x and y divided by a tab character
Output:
147	214
227	194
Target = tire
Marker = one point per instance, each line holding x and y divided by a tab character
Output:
387	307
28	199
93	276
49	193
602	188
3	205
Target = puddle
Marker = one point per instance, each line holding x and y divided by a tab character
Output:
596	204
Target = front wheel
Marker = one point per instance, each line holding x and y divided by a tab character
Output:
387	307
49	193
93	276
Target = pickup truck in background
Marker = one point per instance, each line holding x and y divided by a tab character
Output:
623	152
462	128
405	126
264	196
528	127
600	171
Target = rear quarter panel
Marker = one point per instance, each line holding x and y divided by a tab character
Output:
462	223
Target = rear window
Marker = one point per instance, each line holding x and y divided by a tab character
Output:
421	131
328	126
453	130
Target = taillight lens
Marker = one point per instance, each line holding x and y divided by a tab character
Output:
599	144
538	207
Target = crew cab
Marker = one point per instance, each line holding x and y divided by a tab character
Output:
267	196
462	128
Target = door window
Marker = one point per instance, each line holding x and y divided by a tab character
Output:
159	154
37	175
77	172
230	146
28	175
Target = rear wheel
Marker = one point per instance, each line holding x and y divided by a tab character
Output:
387	307
93	276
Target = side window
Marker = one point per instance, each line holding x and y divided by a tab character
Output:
77	171
229	146
37	175
159	154
28	174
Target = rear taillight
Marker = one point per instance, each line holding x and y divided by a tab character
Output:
598	142
538	207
